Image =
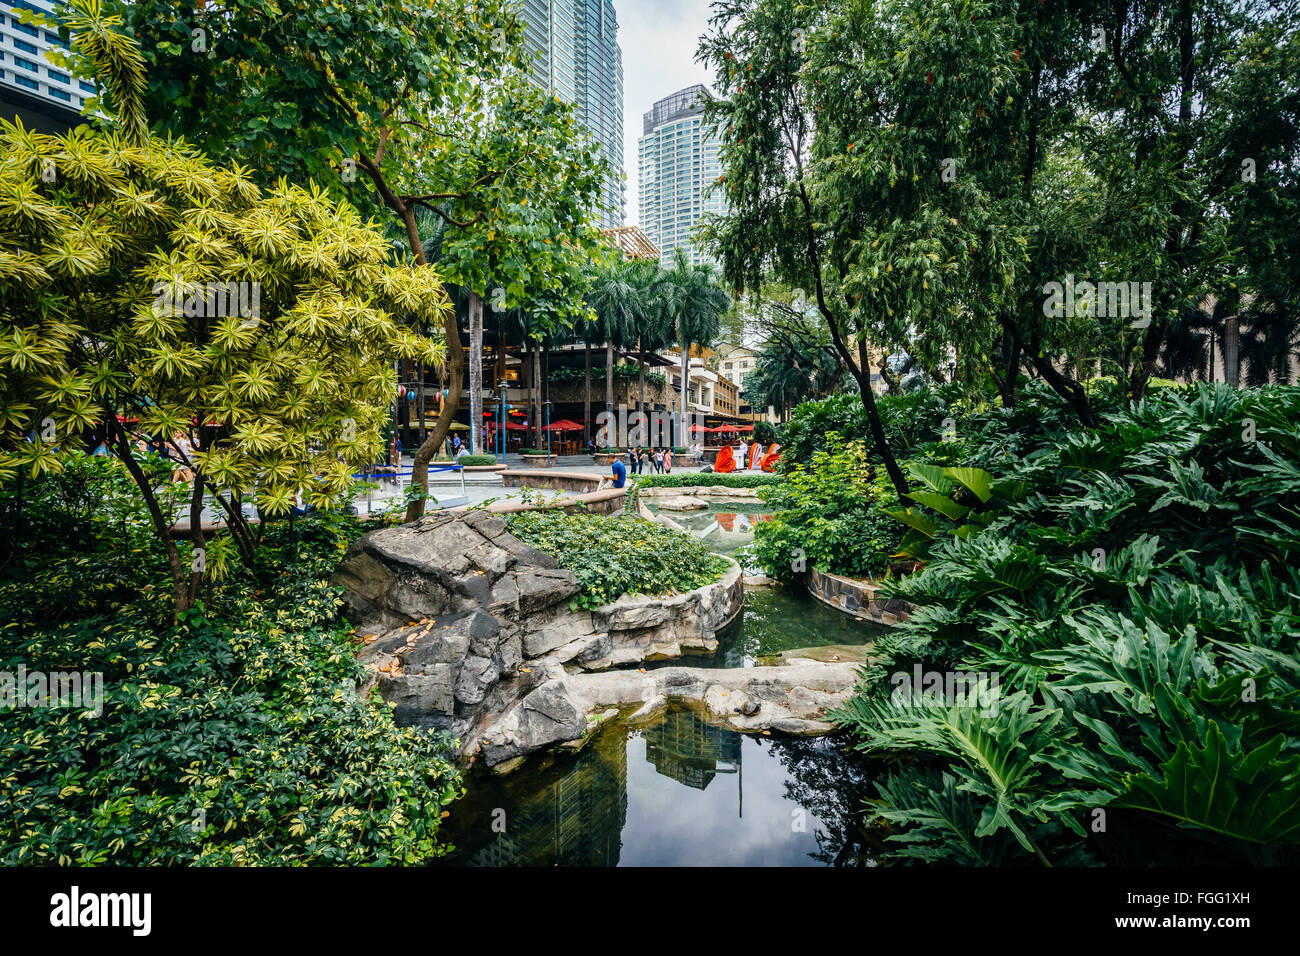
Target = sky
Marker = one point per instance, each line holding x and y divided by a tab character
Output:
659	39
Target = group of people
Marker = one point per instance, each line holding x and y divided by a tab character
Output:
660	459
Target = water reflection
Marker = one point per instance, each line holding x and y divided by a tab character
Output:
681	792
725	526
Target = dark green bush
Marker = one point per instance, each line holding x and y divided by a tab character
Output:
625	554
1137	607
827	515
477	460
236	737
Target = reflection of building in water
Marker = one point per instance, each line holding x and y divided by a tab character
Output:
577	820
687	750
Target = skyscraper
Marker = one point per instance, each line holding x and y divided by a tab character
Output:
43	95
576	56
677	163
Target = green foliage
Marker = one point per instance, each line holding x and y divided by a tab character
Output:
826	514
477	460
625	554
236	737
576	373
706	479
1136	608
963	502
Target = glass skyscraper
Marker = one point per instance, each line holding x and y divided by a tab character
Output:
677	162
576	56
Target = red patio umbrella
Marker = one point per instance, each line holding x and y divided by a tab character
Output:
563	425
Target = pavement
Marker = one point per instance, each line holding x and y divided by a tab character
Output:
477	488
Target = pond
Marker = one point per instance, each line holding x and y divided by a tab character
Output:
726	526
678	793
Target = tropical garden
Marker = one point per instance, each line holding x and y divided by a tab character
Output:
1086	526
1021	277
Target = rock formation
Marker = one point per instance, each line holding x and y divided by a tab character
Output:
463	621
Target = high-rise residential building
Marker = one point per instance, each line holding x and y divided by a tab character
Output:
677	163
44	96
577	57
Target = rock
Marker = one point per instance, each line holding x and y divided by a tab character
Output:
792	698
547	716
470	630
420	697
682	503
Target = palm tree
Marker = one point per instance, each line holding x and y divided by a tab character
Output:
652	334
620	307
690	303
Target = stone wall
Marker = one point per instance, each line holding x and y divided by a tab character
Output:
582	481
856	597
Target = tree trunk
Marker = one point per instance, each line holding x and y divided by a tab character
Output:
686	386
162	527
537	396
609	389
541	384
1232	351
640	373
475	373
586	411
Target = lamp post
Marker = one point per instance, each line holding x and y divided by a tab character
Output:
501	423
547	403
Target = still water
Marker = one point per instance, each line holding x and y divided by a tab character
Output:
680	791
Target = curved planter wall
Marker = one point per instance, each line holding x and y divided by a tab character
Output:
856	597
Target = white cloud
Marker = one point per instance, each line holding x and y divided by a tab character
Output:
659	39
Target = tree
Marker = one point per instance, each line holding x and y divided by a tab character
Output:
619	307
652	332
928	173
517	179
691	305
779	225
426	103
139	281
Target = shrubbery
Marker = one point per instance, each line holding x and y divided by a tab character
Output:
827	514
474	460
624	554
236	737
1137	607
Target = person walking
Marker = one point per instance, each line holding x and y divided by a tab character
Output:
659	461
742	455
668	461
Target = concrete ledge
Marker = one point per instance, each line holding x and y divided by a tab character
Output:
473	469
856	597
550	478
600	502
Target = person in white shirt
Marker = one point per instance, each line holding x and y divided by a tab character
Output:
743	455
